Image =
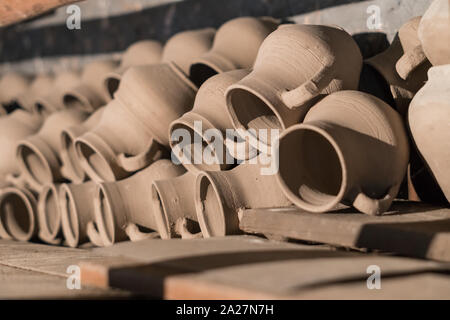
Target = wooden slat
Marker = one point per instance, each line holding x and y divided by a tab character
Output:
411	229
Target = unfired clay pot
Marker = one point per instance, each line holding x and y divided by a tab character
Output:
209	111
14	127
53	101
122	206
49	214
221	195
17	214
77	210
90	94
139	53
403	66
429	122
38	155
434	32
71	169
174	201
42	85
351	148
185	47
295	66
135	125
235	46
12	85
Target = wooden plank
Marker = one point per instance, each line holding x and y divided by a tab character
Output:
412	229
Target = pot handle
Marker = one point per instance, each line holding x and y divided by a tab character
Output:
152	152
375	207
134	234
301	95
94	235
410	61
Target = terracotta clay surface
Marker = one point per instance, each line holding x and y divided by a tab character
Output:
351	148
139	53
38	155
219	197
296	65
49	214
235	46
434	32
71	169
12	85
429	122
120	207
185	47
134	126
40	86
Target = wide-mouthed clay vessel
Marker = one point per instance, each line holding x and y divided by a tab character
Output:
90	94
77	211
40	86
49	214
221	195
296	65
71	169
185	47
139	53
38	155
235	46
351	148
17	214
134	127
203	129
174	201
429	122
434	32
12	85
403	66
120	207
14	127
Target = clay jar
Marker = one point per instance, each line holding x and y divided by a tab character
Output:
17	214
135	125
71	169
429	122
295	66
185	47
139	53
77	210
221	195
174	204
12	85
434	32
38	155
49	214
122	206
209	113
14	127
40	86
403	66
351	148
235	46
90	94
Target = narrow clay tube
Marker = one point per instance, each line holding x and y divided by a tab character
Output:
49	215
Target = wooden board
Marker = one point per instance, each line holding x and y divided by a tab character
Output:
411	229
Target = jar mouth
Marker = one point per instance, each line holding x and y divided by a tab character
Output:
70	158
34	165
160	212
104	216
49	212
69	216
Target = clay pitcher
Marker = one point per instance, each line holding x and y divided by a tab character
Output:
185	47
14	127
134	128
49	214
429	122
296	65
12	85
434	32
17	214
139	53
208	114
221	195
71	169
403	66
38	155
174	201
235	46
90	94
40	86
122	206
77	210
351	148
